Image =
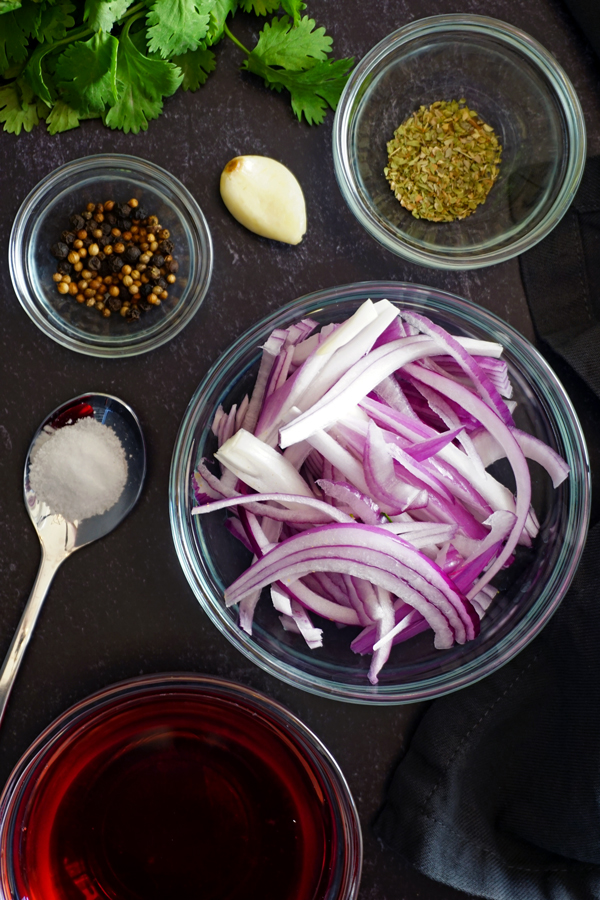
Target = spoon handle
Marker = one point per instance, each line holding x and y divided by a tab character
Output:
16	651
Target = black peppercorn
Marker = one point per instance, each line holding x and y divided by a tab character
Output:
172	266
134	313
124	293
138	213
76	223
114	303
93	263
64	267
110	220
124	210
59	250
163	284
106	226
68	237
158	260
144	305
133	253
166	247
146	289
126	224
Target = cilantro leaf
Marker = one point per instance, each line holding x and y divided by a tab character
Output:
19	108
196	66
293	8
142	83
16	27
312	90
86	73
102	14
280	44
178	25
9	5
218	17
62	118
259	7
55	21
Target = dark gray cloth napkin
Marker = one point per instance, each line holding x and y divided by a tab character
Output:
499	792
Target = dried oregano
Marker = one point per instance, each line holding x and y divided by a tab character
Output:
442	161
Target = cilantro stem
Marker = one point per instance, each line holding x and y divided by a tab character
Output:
235	40
131	12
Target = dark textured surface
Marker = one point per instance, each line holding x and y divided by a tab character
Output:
122	607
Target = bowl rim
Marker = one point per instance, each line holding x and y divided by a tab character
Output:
494	657
44	190
84	712
538	55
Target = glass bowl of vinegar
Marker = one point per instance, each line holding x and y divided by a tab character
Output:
175	786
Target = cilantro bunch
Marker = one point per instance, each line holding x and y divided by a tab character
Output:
118	59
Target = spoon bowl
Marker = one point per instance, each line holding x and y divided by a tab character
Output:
60	537
117	415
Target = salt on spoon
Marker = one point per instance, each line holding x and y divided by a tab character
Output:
79	470
83	474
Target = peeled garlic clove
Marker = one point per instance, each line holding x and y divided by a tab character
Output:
265	197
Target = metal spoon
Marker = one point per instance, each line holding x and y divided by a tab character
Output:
59	538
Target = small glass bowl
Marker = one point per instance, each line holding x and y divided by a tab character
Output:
515	85
45	214
203	758
530	590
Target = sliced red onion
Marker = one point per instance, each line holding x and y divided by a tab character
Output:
369	553
470	366
362	506
503	435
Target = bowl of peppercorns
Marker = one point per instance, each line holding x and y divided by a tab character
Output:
110	255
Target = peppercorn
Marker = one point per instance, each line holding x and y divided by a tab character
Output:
68	237
166	247
86	216
162	283
171	279
139	213
94	263
115	264
126	224
158	260
132	254
64	267
76	222
135	313
144	305
63	288
154	273
114	303
59	250
172	266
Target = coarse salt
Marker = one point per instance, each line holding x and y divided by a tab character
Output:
79	470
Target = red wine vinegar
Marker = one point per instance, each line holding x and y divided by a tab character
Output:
176	798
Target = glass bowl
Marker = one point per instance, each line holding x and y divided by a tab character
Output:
45	214
178	785
530	590
515	85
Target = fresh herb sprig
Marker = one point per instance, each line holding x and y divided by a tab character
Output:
118	59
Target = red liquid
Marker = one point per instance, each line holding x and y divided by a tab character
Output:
177	798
